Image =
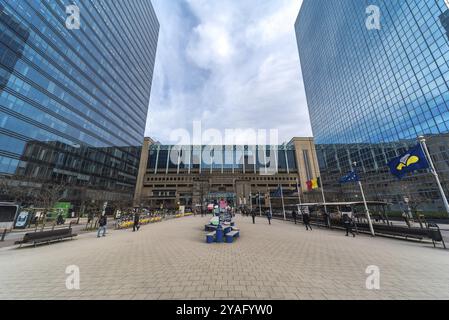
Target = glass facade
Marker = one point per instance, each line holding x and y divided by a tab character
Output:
74	102
221	159
371	92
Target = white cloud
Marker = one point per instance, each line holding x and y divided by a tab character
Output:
230	64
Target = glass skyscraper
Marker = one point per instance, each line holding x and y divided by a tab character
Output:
371	92
74	102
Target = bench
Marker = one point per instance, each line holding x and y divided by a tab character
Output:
210	237
433	232
210	227
231	235
47	236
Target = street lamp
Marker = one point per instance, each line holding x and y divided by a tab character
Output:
364	201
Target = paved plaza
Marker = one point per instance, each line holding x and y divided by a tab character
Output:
170	260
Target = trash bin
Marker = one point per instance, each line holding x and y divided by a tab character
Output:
219	234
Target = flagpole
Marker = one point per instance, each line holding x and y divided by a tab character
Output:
299	192
251	201
322	194
283	205
368	216
324	201
269	200
250	198
423	144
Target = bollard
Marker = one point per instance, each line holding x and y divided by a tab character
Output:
3	235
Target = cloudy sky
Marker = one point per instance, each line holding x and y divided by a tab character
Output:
231	64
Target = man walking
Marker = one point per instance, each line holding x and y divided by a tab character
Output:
136	222
347	221
306	220
294	215
102	225
269	216
253	215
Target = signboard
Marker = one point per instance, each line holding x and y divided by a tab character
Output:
62	208
8	212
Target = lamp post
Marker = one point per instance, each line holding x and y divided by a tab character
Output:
368	216
423	144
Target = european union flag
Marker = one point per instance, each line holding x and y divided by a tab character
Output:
350	177
277	193
413	159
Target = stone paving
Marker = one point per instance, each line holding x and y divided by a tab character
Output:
170	260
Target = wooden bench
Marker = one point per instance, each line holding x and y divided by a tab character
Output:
231	235
210	237
47	236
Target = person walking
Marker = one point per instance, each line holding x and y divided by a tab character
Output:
253	215
347	221
269	216
102	223
306	220
294	215
326	219
136	224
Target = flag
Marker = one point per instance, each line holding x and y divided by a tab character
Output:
309	185
352	176
313	184
278	192
414	159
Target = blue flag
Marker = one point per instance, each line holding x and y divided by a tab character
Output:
413	159
350	177
277	193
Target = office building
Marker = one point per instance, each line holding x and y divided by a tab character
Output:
372	91
193	175
74	93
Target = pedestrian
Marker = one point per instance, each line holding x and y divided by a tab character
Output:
269	216
326	219
347	221
253	215
306	220
60	219
102	223
406	219
136	224
294	215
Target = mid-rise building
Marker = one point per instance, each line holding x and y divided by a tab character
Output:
195	175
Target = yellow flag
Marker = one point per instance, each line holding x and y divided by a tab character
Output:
314	183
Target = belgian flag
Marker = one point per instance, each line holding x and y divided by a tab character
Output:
314	184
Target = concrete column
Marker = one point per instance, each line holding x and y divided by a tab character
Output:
147	142
308	144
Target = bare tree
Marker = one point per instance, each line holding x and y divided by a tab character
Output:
16	189
49	194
